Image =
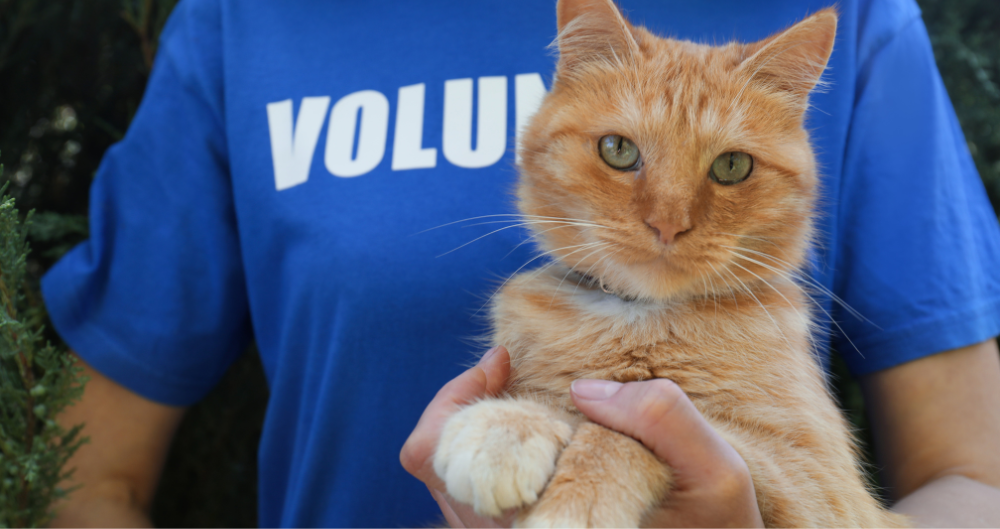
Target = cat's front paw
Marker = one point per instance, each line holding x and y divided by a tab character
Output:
603	479
499	454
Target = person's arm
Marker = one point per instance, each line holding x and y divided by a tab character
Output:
936	423
118	469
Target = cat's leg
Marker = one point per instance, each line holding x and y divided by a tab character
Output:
602	479
499	453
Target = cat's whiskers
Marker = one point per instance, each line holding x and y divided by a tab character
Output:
590	223
772	287
760	238
520	222
749	291
805	278
556	261
518	217
528	222
483	237
599	261
710	293
715	297
534	236
818	305
571	269
726	283
580	247
704	284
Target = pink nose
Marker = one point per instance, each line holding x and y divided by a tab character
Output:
667	231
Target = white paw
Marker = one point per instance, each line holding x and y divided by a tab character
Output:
498	454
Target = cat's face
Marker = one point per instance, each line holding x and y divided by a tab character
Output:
686	167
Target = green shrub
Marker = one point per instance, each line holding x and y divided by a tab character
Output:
36	382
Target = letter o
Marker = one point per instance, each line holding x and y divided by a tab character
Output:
371	132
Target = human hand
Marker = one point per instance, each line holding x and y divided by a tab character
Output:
486	378
712	485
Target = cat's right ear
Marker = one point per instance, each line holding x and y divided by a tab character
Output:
793	60
592	30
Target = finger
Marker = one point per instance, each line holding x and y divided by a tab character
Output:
660	415
485	378
495	363
450	515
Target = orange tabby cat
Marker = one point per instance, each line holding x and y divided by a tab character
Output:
674	185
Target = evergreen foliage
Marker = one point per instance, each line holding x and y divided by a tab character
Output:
73	75
966	39
36	382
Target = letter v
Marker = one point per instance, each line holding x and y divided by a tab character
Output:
292	152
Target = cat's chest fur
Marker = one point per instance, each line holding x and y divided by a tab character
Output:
558	331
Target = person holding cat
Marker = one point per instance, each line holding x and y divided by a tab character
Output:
215	220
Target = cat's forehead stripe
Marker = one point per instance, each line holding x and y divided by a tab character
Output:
677	116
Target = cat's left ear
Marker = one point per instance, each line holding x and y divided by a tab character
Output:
592	30
793	60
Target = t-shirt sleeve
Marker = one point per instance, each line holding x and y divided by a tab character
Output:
918	243
156	299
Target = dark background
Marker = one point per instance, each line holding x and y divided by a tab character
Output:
72	73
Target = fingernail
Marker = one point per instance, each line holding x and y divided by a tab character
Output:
489	354
595	389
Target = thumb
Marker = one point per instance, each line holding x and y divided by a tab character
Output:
485	378
661	416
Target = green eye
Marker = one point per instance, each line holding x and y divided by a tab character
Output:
619	152
731	168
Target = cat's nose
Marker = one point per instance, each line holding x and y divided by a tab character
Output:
668	231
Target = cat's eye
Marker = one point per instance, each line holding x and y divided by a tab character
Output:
731	168
619	152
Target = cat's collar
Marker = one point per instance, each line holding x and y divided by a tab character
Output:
598	283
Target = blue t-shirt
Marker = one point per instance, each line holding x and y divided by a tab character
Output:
278	178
